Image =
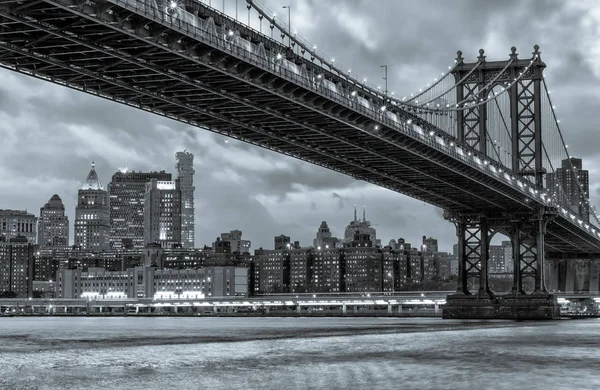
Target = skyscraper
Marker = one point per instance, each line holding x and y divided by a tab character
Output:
126	191
360	227
92	215
324	237
53	225
185	175
15	223
17	256
570	183
162	213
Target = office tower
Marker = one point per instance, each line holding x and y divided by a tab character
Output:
509	261
362	227
162	213
185	175
496	262
429	244
53	225
570	184
324	237
282	242
16	223
17	256
234	238
92	215
126	191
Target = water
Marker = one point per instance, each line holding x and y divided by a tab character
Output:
297	353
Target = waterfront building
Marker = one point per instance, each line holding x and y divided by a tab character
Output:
151	282
92	214
301	269
126	192
185	175
44	289
15	223
326	271
17	257
362	269
53	225
271	271
162	213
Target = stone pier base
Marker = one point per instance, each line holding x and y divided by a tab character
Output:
537	306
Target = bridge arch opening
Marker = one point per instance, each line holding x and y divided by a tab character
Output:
501	262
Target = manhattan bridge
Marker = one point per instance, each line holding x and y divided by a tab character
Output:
481	141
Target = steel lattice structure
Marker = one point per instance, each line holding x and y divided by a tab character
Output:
193	64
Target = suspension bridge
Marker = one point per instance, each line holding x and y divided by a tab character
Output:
481	141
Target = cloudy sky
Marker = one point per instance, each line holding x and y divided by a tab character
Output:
49	135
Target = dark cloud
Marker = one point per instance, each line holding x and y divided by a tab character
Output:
49	135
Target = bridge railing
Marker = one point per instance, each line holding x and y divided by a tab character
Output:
221	38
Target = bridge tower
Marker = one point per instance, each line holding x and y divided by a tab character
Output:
526	229
525	106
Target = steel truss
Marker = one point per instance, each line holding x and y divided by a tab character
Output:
106	49
525	107
527	235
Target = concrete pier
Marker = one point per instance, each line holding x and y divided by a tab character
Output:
539	306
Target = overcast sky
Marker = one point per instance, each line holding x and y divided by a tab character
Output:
49	135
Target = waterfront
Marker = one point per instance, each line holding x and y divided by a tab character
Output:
296	353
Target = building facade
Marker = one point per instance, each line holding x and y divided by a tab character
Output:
92	214
324	237
15	223
234	238
17	258
53	225
570	183
185	174
162	213
361	227
151	282
126	192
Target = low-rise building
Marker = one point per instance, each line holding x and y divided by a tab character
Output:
150	282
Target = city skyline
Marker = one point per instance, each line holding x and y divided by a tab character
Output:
263	194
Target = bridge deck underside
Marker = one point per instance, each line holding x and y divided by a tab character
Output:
110	52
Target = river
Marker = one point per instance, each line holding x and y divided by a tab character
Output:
296	353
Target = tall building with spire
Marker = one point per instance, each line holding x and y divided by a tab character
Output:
360	227
185	174
126	191
53	225
92	214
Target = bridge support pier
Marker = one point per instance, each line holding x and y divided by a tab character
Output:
473	301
